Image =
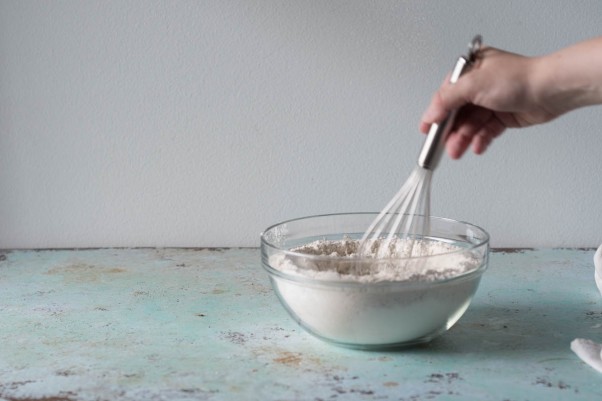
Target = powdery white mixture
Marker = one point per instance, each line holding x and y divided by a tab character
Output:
384	312
444	261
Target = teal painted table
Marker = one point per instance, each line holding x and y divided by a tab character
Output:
183	324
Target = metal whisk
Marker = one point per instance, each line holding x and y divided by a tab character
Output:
406	215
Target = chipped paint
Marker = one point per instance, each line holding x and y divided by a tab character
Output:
289	358
510	250
203	324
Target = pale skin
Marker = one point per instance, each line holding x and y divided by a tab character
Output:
505	90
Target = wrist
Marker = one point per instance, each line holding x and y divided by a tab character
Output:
567	80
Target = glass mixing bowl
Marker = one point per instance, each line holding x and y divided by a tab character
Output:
372	314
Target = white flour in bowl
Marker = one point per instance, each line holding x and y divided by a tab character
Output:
432	260
382	302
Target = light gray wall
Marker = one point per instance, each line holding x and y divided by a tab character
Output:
200	123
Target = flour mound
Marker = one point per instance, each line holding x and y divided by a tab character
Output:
407	260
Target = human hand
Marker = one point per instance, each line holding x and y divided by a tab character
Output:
500	91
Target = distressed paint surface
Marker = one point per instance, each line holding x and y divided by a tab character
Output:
183	324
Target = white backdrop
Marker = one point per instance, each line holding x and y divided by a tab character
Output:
200	123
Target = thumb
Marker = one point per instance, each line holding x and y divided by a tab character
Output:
449	97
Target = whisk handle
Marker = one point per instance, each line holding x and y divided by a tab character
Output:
432	150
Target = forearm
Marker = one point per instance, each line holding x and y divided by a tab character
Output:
570	78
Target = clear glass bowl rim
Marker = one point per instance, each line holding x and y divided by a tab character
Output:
266	244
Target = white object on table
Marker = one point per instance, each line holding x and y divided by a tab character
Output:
589	351
598	268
